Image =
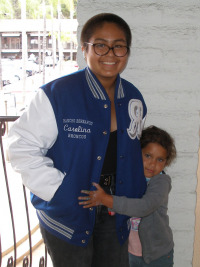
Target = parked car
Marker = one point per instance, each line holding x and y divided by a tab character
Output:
33	67
9	73
49	61
72	66
8	77
29	68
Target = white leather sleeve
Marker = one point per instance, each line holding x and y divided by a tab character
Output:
29	139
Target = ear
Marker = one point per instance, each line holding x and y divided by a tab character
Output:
83	51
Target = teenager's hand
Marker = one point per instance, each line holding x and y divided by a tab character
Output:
95	198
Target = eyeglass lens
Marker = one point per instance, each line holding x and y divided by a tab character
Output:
102	49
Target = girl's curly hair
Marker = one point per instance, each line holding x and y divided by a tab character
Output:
153	134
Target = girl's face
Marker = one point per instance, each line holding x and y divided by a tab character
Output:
107	66
154	159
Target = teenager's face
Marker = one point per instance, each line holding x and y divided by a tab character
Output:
154	159
107	66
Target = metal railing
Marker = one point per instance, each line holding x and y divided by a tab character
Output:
26	259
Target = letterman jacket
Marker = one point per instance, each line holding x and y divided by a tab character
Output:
59	144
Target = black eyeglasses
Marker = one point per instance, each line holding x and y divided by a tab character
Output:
103	49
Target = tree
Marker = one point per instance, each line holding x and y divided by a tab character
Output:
16	4
6	9
11	9
67	6
34	9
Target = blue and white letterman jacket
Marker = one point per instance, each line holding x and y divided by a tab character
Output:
59	144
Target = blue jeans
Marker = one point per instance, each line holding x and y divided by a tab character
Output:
164	261
103	250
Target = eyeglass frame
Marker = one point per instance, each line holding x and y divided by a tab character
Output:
109	48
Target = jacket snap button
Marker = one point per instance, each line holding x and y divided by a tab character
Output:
83	241
99	157
105	106
87	232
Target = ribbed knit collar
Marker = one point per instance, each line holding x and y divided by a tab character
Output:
96	88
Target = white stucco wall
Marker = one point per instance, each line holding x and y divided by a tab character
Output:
165	65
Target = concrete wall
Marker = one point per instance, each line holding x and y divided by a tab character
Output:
196	258
165	65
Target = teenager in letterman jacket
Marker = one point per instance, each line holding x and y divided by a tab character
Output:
59	144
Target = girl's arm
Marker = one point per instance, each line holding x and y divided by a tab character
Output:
156	194
155	197
95	198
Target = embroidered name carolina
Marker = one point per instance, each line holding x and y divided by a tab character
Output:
78	129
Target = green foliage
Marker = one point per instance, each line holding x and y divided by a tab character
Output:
65	37
65	5
6	9
34	9
11	9
17	8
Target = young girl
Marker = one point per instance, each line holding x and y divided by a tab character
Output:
150	240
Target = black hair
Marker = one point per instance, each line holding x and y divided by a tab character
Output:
98	20
153	134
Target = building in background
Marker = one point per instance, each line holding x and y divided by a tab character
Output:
11	38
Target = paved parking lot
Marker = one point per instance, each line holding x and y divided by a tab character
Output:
15	97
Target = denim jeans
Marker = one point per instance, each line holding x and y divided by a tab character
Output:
164	261
103	250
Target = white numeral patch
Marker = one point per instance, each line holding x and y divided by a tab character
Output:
135	110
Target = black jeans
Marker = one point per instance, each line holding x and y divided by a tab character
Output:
164	261
103	249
